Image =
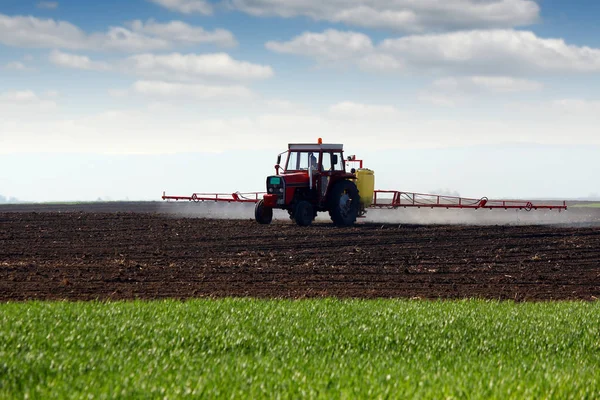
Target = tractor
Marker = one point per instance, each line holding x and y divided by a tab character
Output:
314	179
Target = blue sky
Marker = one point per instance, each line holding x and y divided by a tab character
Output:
494	98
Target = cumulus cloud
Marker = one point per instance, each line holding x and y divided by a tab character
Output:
25	99
179	91
20	31
197	66
186	6
76	61
493	84
380	63
178	31
483	51
451	91
496	84
16	66
402	15
493	50
122	39
329	45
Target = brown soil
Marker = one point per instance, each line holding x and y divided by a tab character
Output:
126	255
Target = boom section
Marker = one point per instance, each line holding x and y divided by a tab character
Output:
398	199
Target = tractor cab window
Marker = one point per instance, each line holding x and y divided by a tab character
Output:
332	162
302	161
339	165
326	164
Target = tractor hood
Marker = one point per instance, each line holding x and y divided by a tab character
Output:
296	177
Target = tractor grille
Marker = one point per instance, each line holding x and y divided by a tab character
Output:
276	185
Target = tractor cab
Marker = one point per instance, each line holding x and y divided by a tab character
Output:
313	166
312	179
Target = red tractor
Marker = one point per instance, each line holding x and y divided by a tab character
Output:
314	179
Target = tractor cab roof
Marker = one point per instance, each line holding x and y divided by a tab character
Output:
315	147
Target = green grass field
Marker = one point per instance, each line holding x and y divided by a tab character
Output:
246	348
587	205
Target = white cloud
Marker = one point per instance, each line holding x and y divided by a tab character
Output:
493	50
122	39
337	47
504	84
178	31
25	99
577	106
180	91
23	96
47	5
186	6
20	31
348	109
493	84
16	66
471	52
438	99
451	91
402	15
380	62
135	131
33	32
329	45
197	66
76	61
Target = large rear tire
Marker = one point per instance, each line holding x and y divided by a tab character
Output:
303	213
263	214
344	203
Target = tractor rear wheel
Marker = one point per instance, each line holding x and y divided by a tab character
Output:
344	203
262	213
303	213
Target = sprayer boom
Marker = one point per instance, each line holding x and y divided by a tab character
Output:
236	197
392	199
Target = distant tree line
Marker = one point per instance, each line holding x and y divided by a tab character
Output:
4	199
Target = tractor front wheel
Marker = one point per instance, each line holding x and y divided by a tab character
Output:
303	213
344	203
262	213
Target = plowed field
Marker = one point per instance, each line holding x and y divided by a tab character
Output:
125	255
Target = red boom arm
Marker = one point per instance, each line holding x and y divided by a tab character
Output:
392	199
396	199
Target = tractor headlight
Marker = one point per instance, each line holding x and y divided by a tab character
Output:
280	190
270	190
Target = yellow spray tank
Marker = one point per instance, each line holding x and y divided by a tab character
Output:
365	182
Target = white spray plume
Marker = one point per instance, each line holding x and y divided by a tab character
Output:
428	216
420	216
